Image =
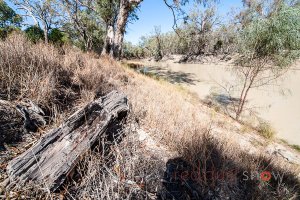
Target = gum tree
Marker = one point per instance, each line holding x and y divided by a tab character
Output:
115	36
42	12
267	48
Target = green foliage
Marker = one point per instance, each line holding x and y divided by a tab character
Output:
9	20
107	10
86	29
57	37
34	33
132	51
296	147
276	38
8	17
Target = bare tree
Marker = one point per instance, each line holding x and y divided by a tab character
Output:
255	73
44	12
158	51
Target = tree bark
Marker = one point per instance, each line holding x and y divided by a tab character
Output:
108	41
46	36
120	27
46	32
115	44
53	157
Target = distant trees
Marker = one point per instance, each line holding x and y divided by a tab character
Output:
83	24
200	33
45	12
92	25
125	9
198	29
9	20
158	50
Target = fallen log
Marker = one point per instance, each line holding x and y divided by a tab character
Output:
55	155
17	119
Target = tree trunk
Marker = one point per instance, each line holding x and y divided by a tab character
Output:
115	43
53	157
120	27
108	41
46	32
46	37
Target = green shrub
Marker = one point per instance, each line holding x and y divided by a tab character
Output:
9	20
296	147
57	37
34	34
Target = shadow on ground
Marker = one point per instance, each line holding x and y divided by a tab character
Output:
222	102
164	73
206	172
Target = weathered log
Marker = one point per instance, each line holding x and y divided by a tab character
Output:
18	118
56	154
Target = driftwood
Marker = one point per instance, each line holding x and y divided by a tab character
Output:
54	156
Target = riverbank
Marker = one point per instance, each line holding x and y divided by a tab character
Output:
167	132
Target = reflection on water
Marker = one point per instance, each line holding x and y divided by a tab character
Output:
279	104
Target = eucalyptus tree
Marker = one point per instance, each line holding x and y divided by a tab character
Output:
198	29
83	24
108	10
44	12
117	16
125	8
267	47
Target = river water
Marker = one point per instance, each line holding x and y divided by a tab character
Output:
278	104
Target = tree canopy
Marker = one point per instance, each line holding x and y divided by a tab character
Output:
276	37
8	16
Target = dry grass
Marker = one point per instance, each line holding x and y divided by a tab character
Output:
120	169
266	130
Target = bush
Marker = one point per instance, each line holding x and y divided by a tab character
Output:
266	130
34	34
57	37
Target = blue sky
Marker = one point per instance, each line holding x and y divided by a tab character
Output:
156	13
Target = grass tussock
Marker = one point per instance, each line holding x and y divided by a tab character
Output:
119	167
266	130
296	147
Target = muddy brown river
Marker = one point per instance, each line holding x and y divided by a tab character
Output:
278	104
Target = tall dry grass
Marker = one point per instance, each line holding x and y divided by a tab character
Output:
57	79
63	80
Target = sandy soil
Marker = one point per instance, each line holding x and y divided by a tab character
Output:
279	104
